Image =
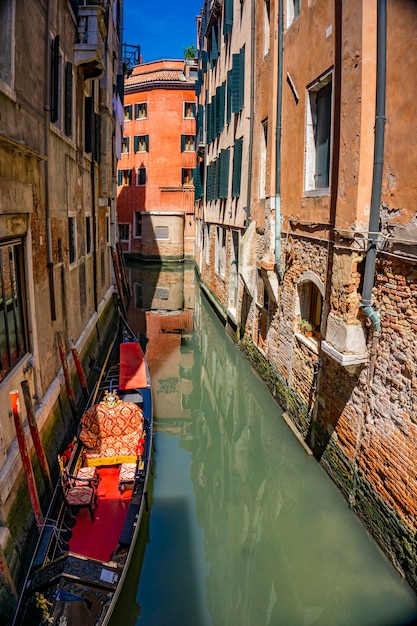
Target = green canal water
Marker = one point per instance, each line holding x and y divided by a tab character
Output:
244	528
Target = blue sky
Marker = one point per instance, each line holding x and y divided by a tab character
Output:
162	28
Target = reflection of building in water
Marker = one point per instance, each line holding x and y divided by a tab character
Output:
163	304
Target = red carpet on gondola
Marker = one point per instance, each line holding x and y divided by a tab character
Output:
98	539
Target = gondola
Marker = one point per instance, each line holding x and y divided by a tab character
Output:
94	518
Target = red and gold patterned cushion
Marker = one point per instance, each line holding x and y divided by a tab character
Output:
127	472
79	496
111	433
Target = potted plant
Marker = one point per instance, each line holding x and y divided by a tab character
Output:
306	328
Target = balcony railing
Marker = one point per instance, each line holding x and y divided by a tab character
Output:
89	50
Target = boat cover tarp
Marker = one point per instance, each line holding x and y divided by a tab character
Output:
132	366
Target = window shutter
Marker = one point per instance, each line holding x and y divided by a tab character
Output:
229	97
55	79
136	111
214	46
68	99
96	154
88	124
129	175
224	162
136	143
182	143
228	17
242	79
235	82
147	143
119	177
237	167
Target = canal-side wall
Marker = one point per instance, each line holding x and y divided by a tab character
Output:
18	535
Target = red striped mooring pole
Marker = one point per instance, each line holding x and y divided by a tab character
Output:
24	453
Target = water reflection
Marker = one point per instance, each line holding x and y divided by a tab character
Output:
245	528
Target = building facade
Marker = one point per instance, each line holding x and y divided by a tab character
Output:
325	269
58	111
155	186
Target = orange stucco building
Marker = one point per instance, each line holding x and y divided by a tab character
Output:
155	186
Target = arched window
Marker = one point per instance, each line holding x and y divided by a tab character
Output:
309	305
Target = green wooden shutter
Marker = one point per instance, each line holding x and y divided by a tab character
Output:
224	162
214	46
68	99
182	143
55	79
147	142
235	82
119	177
88	124
237	167
242	79
228	17
229	97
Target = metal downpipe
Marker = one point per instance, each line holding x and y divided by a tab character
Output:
50	260
381	71
278	264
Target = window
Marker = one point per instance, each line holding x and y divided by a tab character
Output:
141	110
128	113
55	80
13	332
72	240
310	296
68	96
88	234
141	176
293	11
206	243
124	232
189	109
220	252
125	145
223	174
141	143
318	135
238	81
188	143
137	224
187	176
7	39
124	178
161	232
237	167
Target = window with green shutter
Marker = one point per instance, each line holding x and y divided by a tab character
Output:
128	113
68	98
188	143
238	81
141	143
55	87
237	167
224	162
141	110
228	17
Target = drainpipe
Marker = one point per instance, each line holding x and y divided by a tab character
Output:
252	108
381	70
278	265
50	262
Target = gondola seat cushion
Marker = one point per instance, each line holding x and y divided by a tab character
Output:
111	434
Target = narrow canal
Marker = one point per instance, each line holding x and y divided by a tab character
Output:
244	527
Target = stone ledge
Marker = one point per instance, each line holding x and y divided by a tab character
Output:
342	358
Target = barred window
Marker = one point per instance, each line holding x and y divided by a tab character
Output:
13	331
